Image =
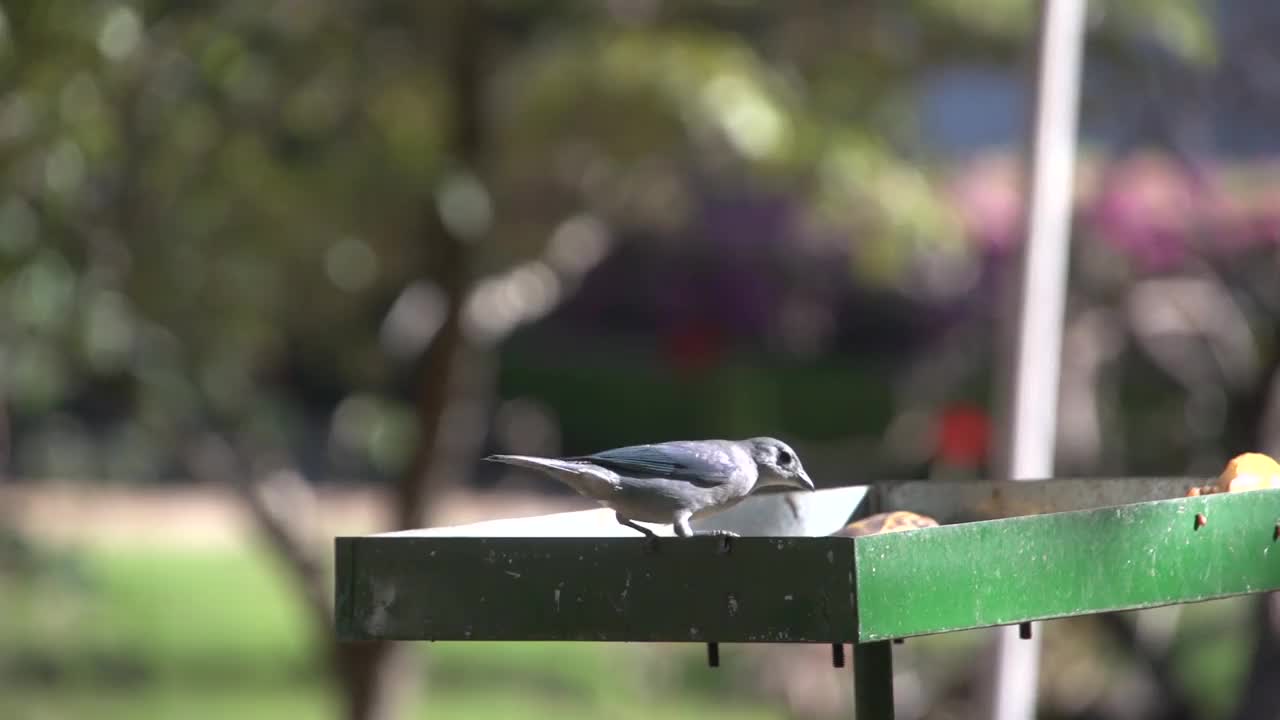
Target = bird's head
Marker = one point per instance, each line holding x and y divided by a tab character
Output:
777	463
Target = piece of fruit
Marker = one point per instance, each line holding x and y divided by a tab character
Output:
1249	471
886	522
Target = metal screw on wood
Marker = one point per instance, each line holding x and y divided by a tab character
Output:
1201	520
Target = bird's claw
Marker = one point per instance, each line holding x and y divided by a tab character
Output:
724	535
719	533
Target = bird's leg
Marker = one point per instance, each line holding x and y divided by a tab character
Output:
681	525
635	526
651	537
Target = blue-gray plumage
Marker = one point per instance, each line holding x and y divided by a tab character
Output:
673	482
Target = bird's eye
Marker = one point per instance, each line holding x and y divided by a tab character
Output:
784	457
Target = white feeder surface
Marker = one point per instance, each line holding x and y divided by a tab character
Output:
775	515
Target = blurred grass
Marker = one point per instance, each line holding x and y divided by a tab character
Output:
153	632
157	632
157	615
312	702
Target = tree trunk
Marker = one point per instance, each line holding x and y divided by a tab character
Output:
437	378
373	679
376	676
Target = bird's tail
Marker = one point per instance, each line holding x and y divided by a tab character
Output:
581	477
532	463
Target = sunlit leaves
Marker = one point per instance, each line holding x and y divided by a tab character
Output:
42	294
351	264
64	168
407	117
19	227
6	37
108	331
1182	27
201	195
1005	18
374	430
894	213
37	375
465	206
121	33
755	126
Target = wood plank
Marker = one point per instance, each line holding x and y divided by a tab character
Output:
688	589
1028	568
799	589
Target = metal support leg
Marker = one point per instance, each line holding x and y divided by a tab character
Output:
873	680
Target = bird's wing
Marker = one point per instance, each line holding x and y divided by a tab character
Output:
695	463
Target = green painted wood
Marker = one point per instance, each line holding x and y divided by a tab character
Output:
612	589
801	589
1028	568
873	681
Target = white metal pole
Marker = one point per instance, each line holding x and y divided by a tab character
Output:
1032	414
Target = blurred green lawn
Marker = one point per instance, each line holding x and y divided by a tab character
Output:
147	632
153	632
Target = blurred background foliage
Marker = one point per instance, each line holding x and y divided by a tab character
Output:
636	220
214	213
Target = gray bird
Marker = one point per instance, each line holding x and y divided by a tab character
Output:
673	482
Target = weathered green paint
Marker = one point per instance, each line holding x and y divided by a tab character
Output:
873	681
1006	571
619	589
803	589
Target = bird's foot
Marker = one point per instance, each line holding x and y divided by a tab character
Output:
725	537
651	538
683	529
635	526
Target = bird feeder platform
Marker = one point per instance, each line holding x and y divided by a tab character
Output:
1006	553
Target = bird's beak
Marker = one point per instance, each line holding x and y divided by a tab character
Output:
808	482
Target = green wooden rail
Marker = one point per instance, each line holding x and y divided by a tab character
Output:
866	591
